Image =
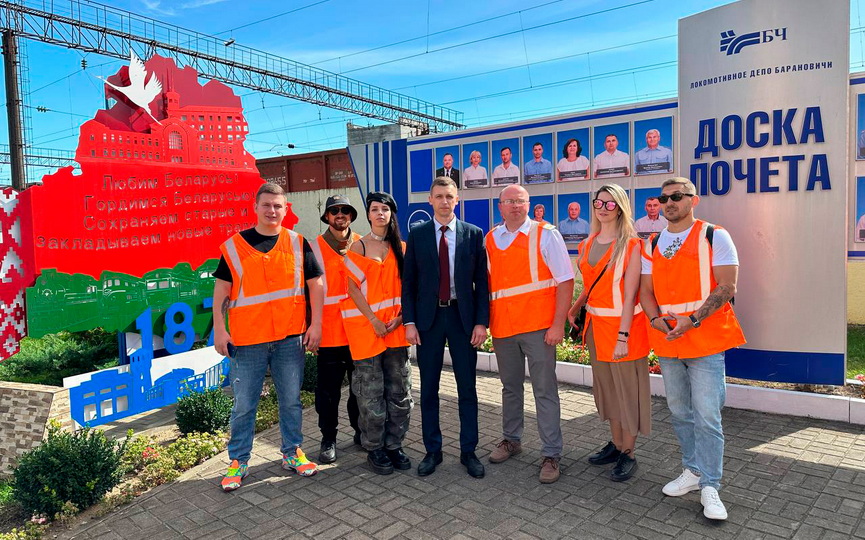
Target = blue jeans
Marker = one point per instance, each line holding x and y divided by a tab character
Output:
695	394
248	368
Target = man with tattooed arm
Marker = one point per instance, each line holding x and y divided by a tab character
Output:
688	282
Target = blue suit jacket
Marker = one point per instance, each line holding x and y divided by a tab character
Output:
420	279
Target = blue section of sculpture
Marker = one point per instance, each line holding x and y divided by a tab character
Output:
127	390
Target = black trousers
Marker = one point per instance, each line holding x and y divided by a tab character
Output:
333	364
464	359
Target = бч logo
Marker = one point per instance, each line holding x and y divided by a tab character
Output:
733	44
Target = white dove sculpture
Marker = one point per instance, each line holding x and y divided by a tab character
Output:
139	93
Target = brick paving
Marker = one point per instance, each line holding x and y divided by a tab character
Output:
785	477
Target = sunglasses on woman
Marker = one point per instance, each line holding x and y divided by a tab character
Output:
677	196
609	205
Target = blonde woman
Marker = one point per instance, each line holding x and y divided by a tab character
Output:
616	330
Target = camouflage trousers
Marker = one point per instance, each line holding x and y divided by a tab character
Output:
382	385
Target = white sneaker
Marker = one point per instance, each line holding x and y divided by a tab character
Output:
713	508
685	483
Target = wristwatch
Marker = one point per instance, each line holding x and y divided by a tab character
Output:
694	321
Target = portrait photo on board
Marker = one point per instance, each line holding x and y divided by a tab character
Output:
573	162
475	160
859	231
537	152
860	127
611	151
541	209
648	212
653	140
574	215
505	154
447	163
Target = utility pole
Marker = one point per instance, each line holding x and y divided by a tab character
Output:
13	111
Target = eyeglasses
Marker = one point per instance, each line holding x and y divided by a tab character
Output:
677	196
610	205
515	201
335	210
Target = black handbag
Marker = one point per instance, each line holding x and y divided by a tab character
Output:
580	323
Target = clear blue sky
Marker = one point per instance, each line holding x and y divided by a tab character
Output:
581	55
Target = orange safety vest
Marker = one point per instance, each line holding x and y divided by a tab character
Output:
267	301
381	286
682	284
335	289
522	288
604	307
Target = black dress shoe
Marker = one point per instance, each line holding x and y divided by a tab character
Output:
607	454
399	459
328	452
357	438
473	464
428	465
379	461
625	467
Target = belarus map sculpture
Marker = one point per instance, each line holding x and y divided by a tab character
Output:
129	243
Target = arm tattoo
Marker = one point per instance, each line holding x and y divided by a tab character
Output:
224	308
720	296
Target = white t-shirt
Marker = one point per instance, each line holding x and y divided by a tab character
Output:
723	249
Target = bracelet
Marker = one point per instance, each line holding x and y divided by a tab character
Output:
626	334
652	320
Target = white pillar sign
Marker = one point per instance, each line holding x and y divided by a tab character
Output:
763	134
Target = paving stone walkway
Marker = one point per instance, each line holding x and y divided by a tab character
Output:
785	477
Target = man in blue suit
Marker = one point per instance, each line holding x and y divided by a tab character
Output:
445	296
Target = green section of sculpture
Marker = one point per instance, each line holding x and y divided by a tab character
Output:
77	302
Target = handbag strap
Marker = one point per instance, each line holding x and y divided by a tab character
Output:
595	283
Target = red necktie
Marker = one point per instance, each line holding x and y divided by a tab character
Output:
444	268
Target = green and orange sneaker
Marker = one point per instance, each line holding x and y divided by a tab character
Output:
234	475
298	463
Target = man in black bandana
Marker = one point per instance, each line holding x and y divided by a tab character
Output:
334	357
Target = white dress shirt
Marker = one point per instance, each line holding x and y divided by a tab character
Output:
553	248
451	238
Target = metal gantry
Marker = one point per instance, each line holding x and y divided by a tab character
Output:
41	157
92	27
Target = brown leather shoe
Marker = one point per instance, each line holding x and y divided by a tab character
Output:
549	470
504	450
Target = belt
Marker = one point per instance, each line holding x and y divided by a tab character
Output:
448	303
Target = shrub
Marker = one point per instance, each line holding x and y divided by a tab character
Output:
49	359
189	451
78	468
140	452
30	531
203	412
310	372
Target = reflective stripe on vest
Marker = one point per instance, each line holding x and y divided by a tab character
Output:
618	300
319	256
536	284
703	252
358	273
390	302
242	299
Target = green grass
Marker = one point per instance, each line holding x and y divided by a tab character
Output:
855	350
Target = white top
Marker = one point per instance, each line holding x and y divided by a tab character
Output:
723	250
579	164
511	172
451	238
606	160
646	225
474	173
860	226
553	249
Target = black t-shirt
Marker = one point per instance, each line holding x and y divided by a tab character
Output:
263	243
